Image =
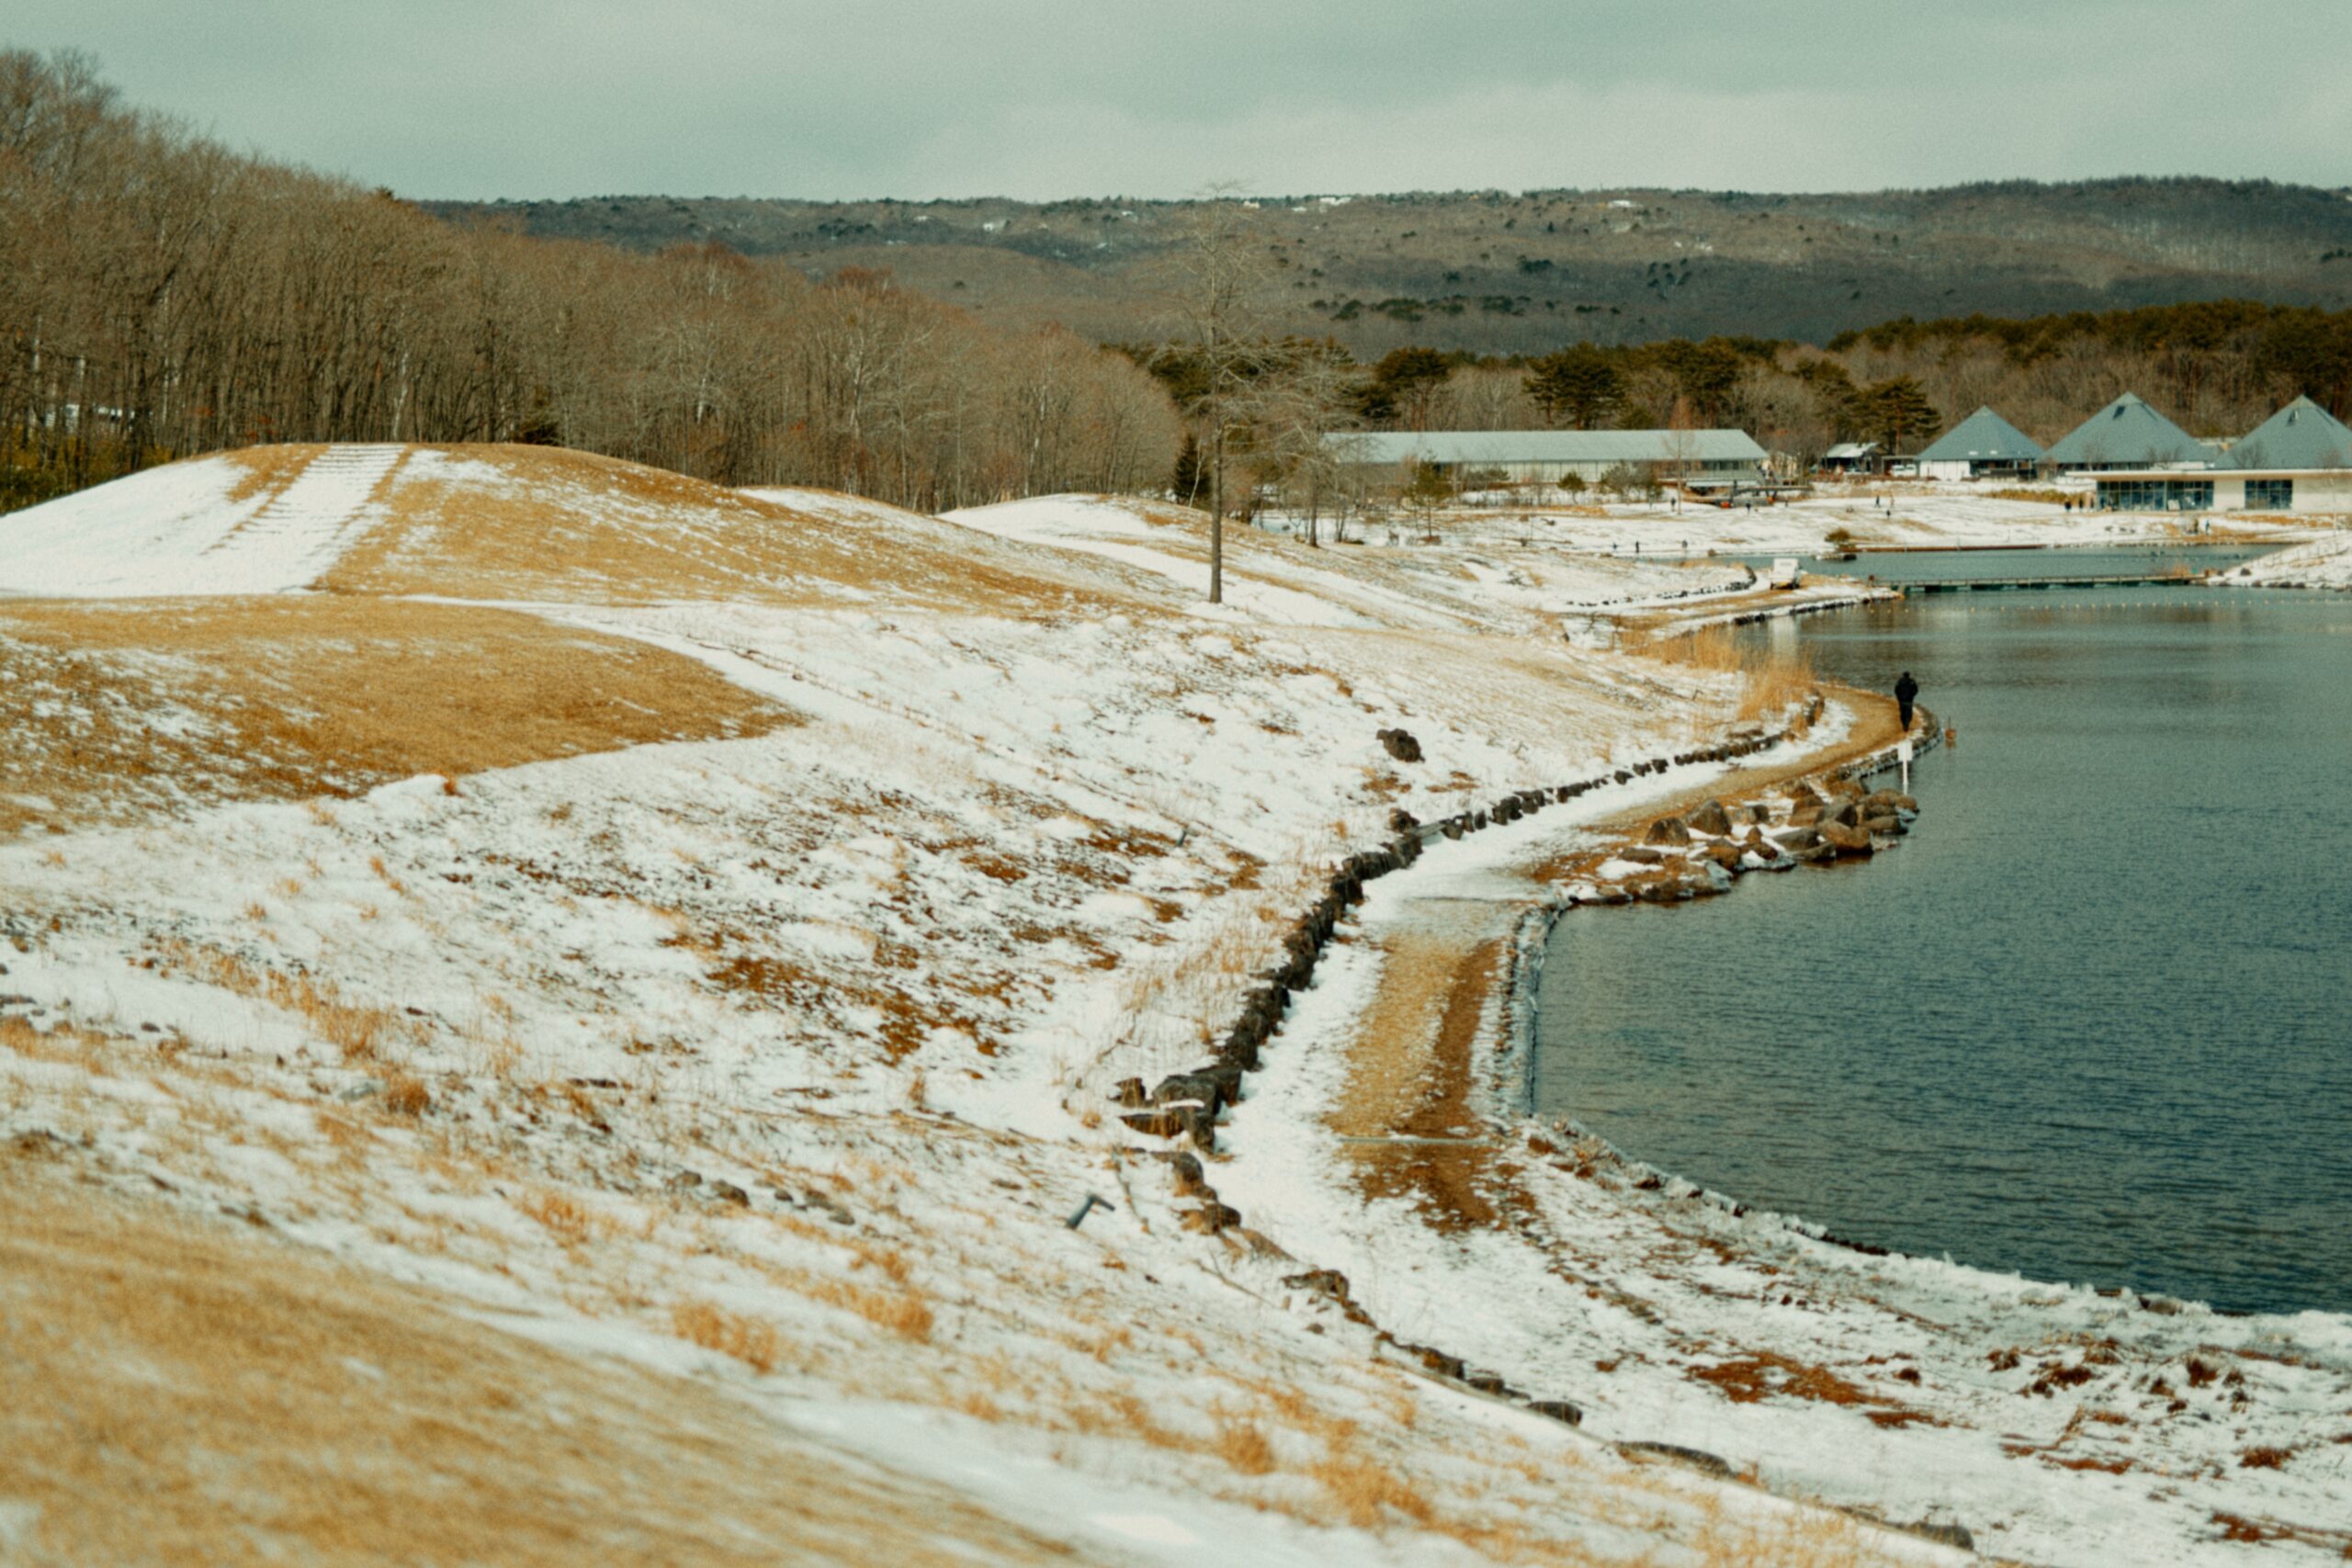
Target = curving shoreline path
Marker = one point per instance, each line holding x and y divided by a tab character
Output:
1384	1141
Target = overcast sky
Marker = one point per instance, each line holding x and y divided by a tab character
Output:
1041	98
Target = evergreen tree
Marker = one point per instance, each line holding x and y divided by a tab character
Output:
1402	384
1894	413
1579	387
1190	474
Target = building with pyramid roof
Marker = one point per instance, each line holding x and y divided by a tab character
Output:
2299	459
2301	436
1982	444
2127	433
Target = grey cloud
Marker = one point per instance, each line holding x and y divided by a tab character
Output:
1051	97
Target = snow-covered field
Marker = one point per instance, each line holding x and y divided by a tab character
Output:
774	1055
1896	514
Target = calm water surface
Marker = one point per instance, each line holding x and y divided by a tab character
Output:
1944	566
2089	1020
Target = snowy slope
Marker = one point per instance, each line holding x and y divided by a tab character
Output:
2323	563
210	525
780	1060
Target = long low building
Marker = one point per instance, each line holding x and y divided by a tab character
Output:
2272	490
1548	456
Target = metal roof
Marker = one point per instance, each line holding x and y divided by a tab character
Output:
1499	447
2301	436
1983	437
2129	430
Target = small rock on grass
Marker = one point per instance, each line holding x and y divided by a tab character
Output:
1697	1459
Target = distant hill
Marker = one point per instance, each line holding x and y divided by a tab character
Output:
1497	273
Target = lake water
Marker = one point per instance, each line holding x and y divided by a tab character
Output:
2089	1020
1945	566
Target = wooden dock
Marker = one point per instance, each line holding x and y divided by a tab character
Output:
2011	584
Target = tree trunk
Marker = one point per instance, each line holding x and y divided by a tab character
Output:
1216	516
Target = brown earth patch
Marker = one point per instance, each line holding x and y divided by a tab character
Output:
1767	1374
182	1391
116	711
1412	1077
1749	1379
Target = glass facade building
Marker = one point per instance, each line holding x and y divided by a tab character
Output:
2160	495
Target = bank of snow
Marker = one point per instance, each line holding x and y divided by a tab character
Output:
780	1062
2322	563
1904	515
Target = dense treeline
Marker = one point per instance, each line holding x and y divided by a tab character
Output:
161	295
2219	367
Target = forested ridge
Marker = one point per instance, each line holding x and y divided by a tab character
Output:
1515	272
2219	367
161	295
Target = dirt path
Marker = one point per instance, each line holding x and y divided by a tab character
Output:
1410	1110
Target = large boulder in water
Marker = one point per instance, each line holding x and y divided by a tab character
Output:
1846	840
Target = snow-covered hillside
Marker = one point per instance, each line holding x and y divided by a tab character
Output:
705	936
2322	563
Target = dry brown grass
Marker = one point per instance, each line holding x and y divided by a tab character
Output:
405	1095
2039	497
901	1312
182	1391
1711	648
1772	681
751	1341
565	1218
1367	1492
574	527
1769	678
291	699
1243	1446
358	1032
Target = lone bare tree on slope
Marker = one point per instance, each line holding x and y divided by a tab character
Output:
1219	274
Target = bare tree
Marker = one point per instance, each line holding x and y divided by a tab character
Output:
1220	276
160	295
1292	411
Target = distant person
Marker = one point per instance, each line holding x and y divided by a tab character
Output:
1907	692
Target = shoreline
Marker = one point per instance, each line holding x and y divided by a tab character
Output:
1536	1206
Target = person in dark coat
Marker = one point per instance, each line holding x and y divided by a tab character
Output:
1907	692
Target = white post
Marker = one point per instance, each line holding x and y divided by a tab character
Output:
1903	755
